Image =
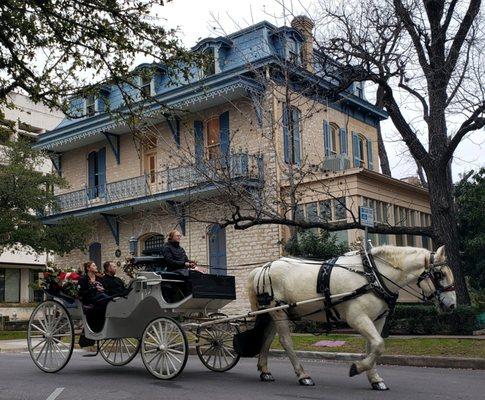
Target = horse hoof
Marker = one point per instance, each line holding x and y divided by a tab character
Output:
266	377
379	386
353	370
306	382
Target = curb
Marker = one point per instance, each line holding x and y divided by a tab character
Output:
410	361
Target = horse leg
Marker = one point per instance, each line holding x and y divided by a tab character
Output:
365	326
283	329
269	333
375	380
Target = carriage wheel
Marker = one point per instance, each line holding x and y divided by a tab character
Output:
214	345
120	351
50	336
164	348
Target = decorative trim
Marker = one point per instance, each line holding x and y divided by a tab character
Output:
114	143
114	226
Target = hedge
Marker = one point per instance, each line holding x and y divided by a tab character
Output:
415	319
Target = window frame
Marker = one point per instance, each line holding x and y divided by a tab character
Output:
210	154
88	105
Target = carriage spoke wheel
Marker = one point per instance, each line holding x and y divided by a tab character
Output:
120	351
50	336
214	346
164	348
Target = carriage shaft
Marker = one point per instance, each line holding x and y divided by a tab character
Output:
267	310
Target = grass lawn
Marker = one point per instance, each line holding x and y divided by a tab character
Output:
414	346
9	335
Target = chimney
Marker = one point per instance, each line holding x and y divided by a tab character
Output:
304	26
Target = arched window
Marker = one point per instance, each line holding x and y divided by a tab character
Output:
95	254
153	245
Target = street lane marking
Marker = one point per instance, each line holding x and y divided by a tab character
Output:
55	394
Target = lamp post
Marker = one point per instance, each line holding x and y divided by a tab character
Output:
133	245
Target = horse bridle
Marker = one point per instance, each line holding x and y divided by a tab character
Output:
435	275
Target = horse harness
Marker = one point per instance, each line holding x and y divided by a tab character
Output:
375	283
435	276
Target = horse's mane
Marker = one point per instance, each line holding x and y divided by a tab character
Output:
395	254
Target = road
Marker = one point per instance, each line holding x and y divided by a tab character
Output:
92	378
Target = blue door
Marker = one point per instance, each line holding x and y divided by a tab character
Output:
217	250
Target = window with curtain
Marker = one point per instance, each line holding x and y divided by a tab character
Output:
213	139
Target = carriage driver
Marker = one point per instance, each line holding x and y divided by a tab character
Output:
176	259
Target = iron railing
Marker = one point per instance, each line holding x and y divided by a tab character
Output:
337	162
212	172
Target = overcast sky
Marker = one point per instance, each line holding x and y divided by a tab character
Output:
200	19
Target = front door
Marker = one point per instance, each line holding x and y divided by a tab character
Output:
217	250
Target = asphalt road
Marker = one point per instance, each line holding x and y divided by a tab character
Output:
92	378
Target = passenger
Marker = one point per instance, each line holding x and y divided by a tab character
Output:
91	289
113	285
176	259
93	296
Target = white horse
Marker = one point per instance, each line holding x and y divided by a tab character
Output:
294	280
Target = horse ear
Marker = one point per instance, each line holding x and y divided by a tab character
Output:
440	253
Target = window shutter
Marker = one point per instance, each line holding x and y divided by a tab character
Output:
343	142
92	161
369	154
102	172
199	141
295	115
286	136
326	138
224	137
356	149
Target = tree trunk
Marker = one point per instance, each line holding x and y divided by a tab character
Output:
385	168
445	227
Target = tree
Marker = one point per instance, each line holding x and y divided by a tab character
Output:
53	49
470	198
431	51
26	191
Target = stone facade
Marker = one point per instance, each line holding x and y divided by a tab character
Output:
151	156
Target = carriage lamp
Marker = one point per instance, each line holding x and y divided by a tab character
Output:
133	245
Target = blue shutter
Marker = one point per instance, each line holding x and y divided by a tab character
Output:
369	154
224	137
326	138
295	116
92	167
344	147
199	141
356	149
102	172
100	104
286	136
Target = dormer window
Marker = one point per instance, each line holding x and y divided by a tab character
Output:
90	105
146	85
209	62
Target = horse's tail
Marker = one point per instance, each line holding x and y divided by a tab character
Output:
252	287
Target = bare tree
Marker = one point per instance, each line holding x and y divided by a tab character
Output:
432	51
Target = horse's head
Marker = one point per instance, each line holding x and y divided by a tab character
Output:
437	282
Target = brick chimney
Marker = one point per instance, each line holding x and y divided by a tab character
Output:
304	26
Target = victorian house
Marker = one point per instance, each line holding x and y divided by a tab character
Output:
128	187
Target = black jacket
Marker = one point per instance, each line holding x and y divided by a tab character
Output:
113	285
175	256
87	291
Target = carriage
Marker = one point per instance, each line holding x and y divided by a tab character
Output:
156	318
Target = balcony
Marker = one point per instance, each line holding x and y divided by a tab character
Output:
337	162
169	184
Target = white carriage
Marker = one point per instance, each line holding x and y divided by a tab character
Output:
144	322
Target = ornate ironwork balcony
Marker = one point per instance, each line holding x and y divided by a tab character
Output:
337	162
240	166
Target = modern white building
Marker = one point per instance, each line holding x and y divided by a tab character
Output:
18	269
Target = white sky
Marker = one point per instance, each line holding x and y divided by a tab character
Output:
199	19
